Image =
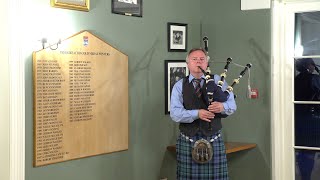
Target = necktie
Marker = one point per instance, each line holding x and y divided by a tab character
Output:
197	87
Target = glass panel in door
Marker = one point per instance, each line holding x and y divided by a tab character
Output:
307	96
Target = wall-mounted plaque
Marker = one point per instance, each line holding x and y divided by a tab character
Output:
80	100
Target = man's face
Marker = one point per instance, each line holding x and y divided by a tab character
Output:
196	59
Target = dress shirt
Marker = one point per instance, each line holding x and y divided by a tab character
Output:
179	114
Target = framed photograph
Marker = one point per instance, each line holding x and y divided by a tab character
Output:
127	7
174	71
177	37
80	5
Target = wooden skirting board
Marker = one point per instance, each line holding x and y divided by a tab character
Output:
230	147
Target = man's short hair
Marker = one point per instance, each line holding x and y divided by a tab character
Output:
196	49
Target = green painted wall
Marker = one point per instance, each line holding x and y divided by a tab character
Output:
246	37
144	40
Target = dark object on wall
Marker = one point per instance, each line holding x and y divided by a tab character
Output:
127	7
177	37
174	71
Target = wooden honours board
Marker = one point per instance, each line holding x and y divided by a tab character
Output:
80	100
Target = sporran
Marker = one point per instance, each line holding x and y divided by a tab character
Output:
202	151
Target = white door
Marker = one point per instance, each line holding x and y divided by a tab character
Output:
296	91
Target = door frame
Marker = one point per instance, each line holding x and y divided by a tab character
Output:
282	134
16	61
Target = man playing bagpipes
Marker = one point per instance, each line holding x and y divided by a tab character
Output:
200	147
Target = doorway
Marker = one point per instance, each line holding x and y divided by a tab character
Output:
296	90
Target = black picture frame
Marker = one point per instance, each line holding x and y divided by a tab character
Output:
174	71
177	37
127	7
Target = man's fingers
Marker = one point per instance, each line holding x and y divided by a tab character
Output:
207	116
205	119
215	107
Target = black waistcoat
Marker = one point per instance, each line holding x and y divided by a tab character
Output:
191	101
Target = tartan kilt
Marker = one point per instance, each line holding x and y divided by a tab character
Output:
188	169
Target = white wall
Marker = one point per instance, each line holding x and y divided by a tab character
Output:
4	94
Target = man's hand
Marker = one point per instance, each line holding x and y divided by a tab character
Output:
205	115
216	107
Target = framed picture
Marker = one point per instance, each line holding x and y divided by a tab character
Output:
127	7
174	71
80	5
177	37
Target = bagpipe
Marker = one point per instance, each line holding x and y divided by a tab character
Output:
215	93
